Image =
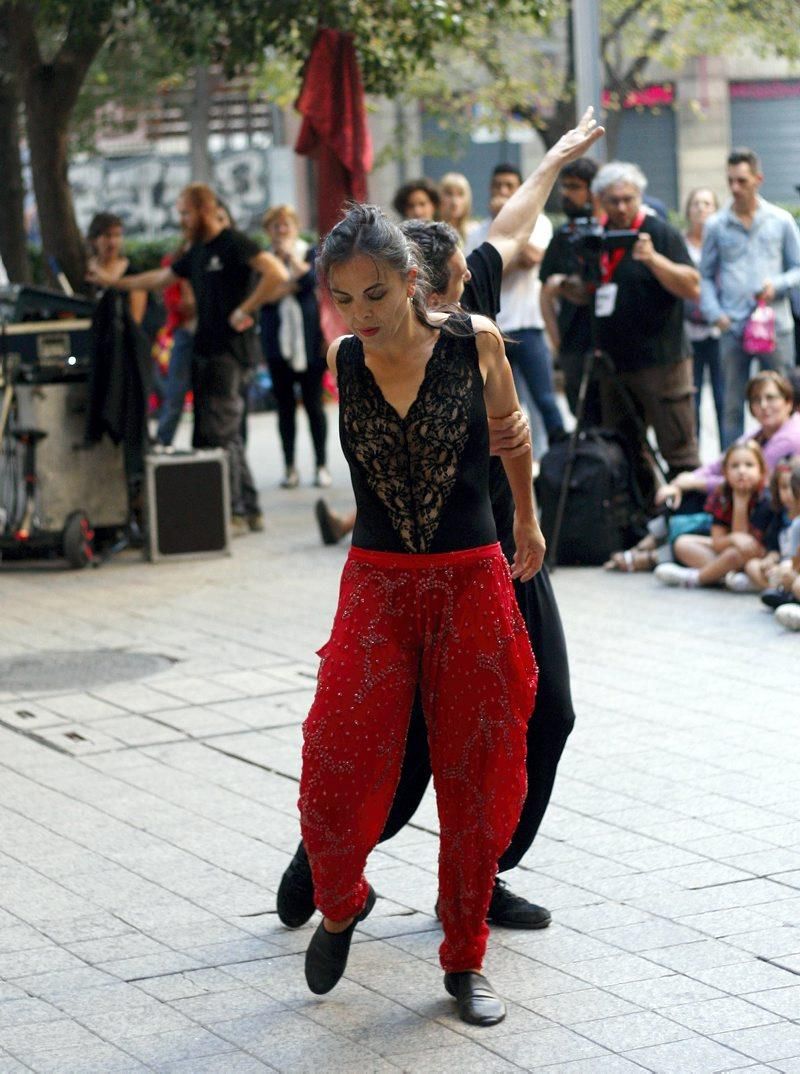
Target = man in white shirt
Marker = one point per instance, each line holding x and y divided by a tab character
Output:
520	317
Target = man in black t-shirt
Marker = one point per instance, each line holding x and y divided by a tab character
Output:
220	265
638	310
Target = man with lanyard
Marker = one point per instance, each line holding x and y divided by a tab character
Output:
564	304
219	263
476	282
638	311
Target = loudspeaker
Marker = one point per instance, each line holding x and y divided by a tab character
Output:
188	504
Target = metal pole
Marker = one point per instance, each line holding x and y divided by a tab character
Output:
586	57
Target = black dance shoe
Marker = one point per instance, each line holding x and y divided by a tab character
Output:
477	1001
296	891
326	957
513	912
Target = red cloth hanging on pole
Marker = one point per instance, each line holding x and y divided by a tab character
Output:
334	130
335	134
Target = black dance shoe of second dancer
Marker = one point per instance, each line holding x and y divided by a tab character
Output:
513	911
326	956
295	901
477	1001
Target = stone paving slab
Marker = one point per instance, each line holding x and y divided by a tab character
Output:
145	822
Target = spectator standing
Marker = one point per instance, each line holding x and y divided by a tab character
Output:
520	318
565	308
418	199
751	251
639	325
456	204
704	337
292	342
179	331
219	264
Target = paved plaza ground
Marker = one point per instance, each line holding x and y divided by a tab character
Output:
149	756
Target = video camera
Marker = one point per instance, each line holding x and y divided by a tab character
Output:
589	240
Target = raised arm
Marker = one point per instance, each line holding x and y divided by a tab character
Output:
511	228
501	398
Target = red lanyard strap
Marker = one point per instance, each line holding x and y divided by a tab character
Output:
610	259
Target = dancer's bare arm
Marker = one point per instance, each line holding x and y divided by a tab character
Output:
511	228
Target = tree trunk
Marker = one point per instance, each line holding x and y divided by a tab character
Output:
13	242
13	245
48	140
50	89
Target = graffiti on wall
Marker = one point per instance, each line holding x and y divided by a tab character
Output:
143	190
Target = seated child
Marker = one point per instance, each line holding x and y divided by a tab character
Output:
764	573
784	594
740	511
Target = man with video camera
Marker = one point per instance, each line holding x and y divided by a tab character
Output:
643	273
564	301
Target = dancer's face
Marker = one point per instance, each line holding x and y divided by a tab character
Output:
372	298
459	278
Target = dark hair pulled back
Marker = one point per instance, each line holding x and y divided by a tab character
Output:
366	230
436	242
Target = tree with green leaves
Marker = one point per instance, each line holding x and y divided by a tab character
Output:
505	69
54	44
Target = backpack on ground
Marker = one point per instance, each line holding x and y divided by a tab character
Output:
603	510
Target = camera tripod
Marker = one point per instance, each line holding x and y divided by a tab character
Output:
592	360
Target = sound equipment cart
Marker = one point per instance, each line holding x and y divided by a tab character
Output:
56	491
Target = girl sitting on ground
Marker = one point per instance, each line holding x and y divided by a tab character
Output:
763	573
784	592
740	512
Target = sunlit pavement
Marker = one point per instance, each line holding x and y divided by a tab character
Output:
149	754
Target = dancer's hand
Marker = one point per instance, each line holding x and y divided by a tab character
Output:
509	436
530	548
576	142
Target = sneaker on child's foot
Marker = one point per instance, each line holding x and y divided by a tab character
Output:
738	582
788	615
675	575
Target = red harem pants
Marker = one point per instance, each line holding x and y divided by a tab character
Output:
449	621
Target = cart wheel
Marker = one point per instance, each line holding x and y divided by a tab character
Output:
78	540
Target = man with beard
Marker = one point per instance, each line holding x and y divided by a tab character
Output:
475	281
564	303
219	264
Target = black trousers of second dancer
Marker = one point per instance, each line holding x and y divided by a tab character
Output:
548	730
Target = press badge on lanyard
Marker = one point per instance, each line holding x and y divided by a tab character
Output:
605	297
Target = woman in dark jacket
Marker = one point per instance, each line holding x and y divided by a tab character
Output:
292	341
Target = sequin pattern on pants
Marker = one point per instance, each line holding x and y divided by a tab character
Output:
449	621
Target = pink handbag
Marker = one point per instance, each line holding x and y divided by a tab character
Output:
759	332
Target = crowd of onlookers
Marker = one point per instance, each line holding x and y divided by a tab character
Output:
635	312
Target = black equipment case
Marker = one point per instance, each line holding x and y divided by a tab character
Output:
601	510
188	504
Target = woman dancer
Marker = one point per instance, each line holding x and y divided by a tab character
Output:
425	595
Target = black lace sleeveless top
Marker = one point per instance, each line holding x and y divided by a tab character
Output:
421	482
